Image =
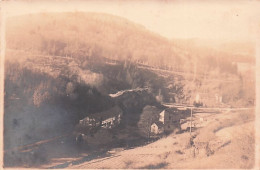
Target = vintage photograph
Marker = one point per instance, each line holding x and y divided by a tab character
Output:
129	84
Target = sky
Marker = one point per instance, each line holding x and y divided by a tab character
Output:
214	20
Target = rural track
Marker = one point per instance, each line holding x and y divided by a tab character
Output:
33	145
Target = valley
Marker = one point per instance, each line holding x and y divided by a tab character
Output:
67	68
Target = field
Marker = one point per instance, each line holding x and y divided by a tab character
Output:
226	136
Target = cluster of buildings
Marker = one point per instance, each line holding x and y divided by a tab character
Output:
106	119
169	120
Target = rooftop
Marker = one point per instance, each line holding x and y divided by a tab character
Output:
112	112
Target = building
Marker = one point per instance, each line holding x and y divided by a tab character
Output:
170	118
157	128
106	119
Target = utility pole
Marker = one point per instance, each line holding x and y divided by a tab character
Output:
190	120
191	137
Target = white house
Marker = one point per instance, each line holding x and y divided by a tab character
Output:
157	128
161	118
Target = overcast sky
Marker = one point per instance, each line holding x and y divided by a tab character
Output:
217	20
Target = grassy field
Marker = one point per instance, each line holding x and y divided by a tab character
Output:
221	140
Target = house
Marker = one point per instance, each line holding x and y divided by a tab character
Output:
106	119
157	128
170	118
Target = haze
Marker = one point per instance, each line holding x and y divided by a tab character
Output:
218	21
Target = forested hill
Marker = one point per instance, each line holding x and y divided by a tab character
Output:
73	61
93	35
84	35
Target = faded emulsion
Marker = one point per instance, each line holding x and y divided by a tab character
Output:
86	89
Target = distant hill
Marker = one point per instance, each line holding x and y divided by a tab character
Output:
235	51
97	35
85	35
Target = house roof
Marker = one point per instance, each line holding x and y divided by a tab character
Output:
174	110
112	112
171	109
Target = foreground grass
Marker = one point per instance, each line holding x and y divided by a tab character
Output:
224	140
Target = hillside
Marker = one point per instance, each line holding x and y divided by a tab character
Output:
84	35
62	67
84	38
93	35
225	137
235	50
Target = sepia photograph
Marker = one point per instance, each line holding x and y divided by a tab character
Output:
128	84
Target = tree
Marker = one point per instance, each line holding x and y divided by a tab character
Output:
69	88
149	115
40	95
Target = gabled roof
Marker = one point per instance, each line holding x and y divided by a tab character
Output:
114	111
173	110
